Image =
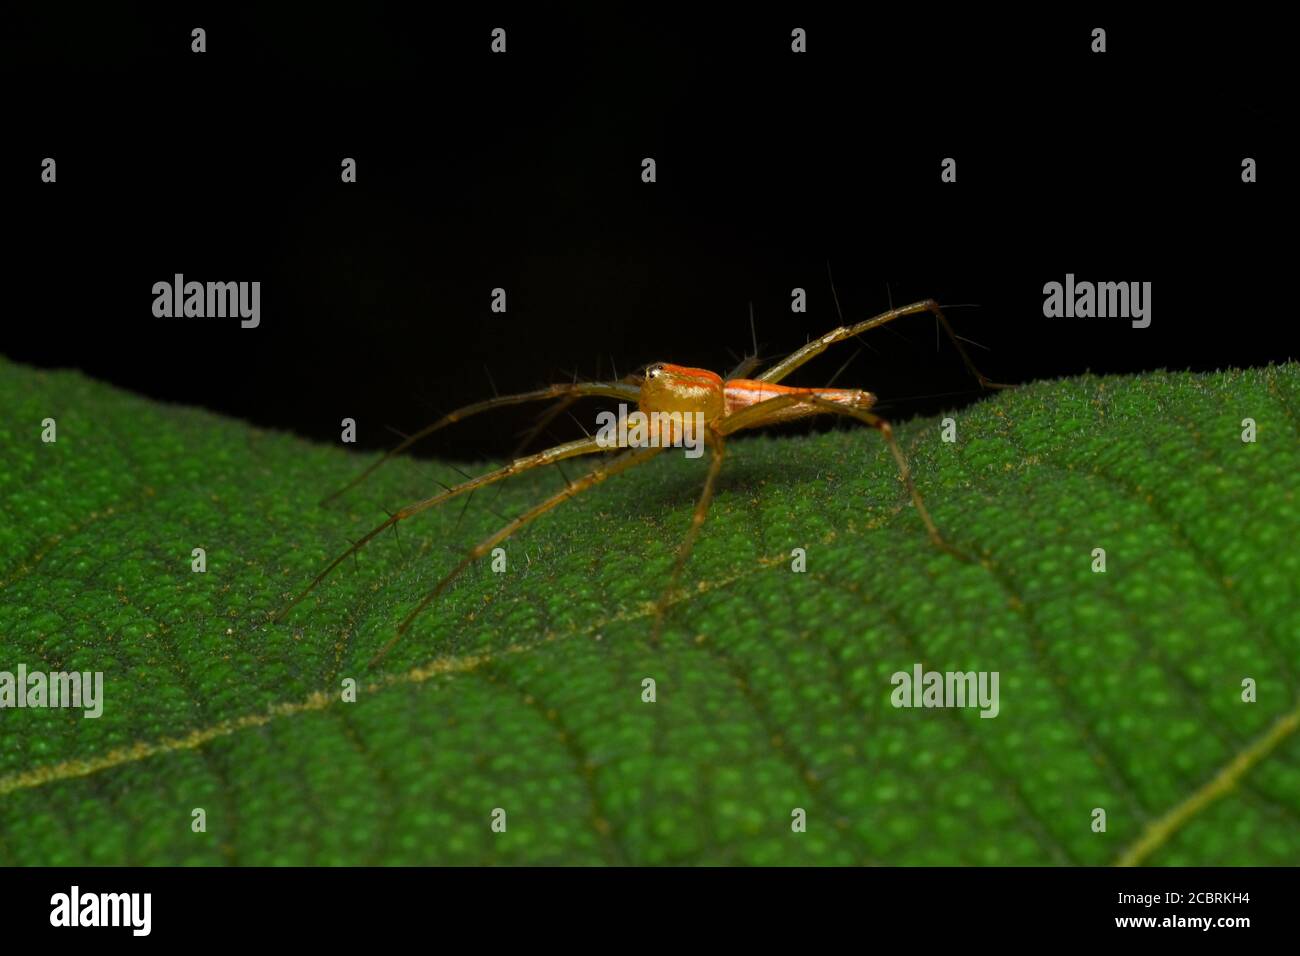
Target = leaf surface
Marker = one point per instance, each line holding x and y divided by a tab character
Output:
523	690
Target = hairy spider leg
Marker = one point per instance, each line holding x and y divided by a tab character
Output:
584	446
766	412
558	409
819	345
622	390
717	452
591	479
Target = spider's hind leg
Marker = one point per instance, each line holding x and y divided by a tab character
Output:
763	413
622	390
904	470
586	446
590	480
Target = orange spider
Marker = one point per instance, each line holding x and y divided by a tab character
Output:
726	406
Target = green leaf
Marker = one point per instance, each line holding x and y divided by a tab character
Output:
523	690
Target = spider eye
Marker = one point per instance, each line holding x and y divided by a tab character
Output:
654	371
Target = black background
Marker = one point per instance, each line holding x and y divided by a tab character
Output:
341	906
523	171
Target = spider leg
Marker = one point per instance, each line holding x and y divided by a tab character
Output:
544	421
904	471
585	446
717	451
623	390
758	414
763	413
554	412
745	367
591	479
819	345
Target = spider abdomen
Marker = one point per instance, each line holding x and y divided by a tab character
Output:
739	393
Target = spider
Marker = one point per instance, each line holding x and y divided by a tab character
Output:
726	405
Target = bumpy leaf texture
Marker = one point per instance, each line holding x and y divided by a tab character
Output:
523	690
